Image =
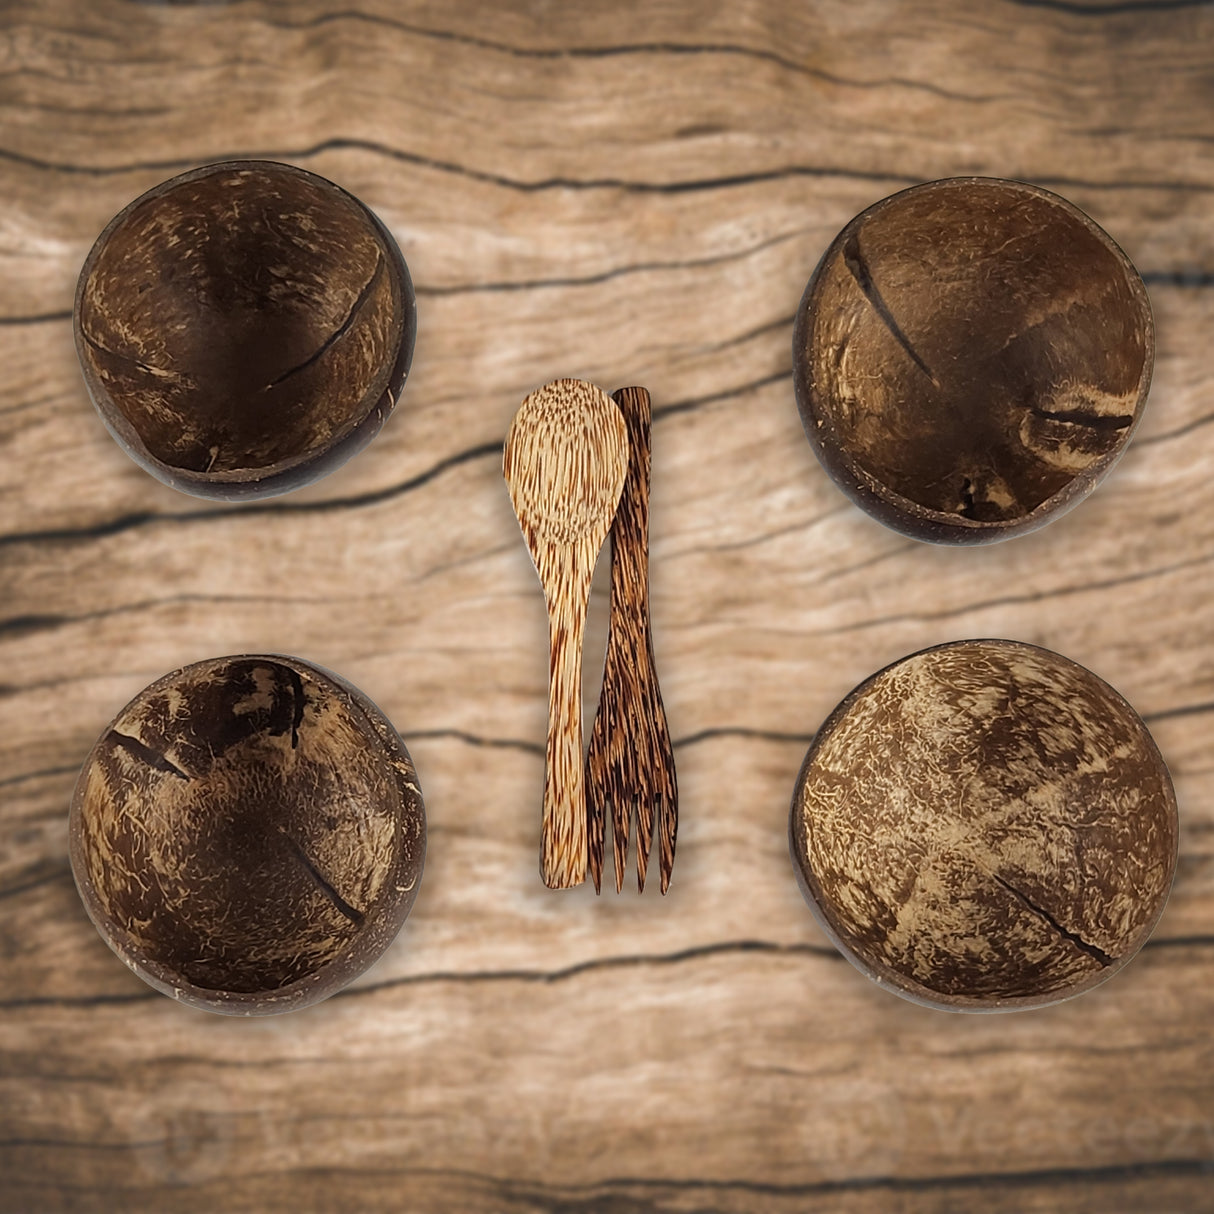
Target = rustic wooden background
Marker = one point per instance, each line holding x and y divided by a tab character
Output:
630	193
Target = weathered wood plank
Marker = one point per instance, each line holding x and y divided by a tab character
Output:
418	1079
631	194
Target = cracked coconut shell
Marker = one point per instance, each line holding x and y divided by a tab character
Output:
985	825
970	358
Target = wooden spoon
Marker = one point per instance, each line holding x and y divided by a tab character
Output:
565	461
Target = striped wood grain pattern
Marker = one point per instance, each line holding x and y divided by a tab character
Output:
565	462
630	768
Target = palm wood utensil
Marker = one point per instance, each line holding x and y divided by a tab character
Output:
630	763
565	460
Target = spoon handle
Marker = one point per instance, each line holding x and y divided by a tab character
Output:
563	841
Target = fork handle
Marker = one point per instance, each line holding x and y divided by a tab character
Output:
563	837
631	639
630	527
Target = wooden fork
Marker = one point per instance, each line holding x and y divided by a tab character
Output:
630	762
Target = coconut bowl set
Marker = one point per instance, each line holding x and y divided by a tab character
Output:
980	826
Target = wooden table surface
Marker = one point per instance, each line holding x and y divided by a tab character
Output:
628	193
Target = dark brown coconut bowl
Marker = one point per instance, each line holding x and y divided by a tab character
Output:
985	826
244	328
970	358
248	834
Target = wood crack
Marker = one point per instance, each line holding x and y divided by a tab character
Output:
633	48
1110	10
41	774
590	1197
1010	599
1181	710
541	977
696	402
40	318
640	267
18	626
1178	278
1195	941
757	540
25	625
539	185
1196	424
627	961
740	731
13	891
911	1184
353	502
472	739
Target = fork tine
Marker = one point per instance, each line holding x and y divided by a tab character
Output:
594	826
598	777
610	778
621	817
665	786
645	814
668	829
